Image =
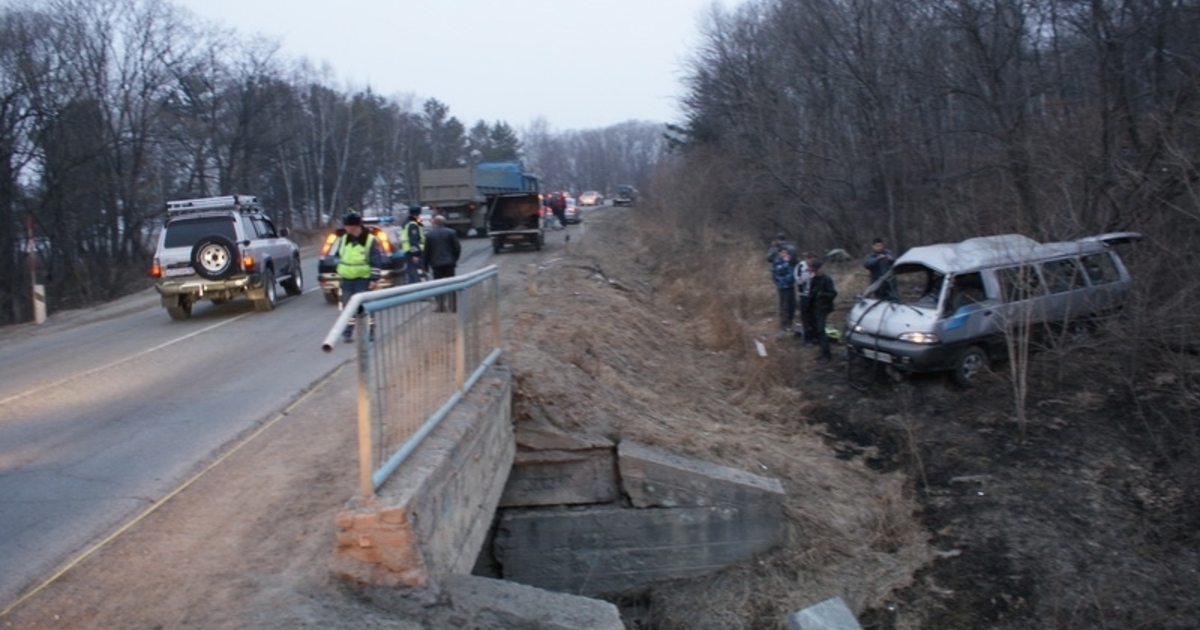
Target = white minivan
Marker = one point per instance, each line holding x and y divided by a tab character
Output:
952	306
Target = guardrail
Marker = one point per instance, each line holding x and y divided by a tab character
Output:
420	349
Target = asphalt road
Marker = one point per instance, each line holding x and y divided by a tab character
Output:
104	411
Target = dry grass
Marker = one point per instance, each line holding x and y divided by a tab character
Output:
659	347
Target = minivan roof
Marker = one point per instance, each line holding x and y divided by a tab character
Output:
1001	250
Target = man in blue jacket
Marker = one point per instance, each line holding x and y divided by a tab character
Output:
783	274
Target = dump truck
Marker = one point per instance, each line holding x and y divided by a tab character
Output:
462	194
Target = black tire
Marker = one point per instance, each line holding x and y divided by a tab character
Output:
181	310
497	245
481	232
295	284
214	257
538	242
266	301
970	366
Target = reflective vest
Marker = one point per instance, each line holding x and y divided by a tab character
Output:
405	243
354	259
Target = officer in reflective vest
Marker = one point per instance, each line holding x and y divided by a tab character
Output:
359	262
412	244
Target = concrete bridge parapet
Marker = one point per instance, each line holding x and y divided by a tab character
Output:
430	517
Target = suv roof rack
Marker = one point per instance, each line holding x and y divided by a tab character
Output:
243	203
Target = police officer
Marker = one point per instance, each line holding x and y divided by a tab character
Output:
359	261
412	245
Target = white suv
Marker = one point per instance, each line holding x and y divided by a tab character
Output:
218	248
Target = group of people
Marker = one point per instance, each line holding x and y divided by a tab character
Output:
802	277
361	258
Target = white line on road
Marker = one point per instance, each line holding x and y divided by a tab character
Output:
120	361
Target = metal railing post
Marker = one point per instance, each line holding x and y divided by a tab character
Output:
365	465
460	346
495	311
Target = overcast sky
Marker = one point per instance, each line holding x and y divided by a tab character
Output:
580	64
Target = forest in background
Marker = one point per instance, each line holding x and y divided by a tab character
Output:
108	108
935	121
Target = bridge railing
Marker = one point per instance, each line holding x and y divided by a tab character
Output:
420	349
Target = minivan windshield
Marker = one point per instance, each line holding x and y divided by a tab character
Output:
915	285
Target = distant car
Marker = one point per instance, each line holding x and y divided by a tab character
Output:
389	243
590	198
624	196
572	213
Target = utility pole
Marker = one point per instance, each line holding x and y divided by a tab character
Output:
39	291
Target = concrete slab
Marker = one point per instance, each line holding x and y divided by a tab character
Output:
603	550
656	478
831	614
562	477
475	602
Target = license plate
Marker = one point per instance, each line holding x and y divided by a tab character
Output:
453	215
882	357
177	271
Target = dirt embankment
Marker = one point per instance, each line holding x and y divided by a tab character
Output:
921	505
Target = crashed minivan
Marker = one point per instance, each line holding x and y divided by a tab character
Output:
955	306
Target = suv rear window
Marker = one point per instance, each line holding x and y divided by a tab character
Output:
185	232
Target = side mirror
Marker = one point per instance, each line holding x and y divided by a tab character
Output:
283	232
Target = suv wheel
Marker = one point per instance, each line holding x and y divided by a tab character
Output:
266	301
181	309
295	284
214	257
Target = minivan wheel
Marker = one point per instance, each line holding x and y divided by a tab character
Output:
970	366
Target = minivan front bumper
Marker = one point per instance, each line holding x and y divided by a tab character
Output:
910	357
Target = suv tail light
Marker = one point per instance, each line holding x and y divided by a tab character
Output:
248	262
384	244
155	269
328	244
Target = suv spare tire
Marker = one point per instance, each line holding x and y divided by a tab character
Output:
214	257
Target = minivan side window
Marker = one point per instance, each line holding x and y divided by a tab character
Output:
1019	283
1062	275
1100	268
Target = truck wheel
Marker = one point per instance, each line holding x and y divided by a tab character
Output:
481	232
295	284
266	300
970	365
538	242
497	246
214	257
182	309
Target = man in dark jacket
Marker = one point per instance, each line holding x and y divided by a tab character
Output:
822	293
442	251
878	261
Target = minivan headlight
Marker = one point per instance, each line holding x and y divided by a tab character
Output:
919	337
